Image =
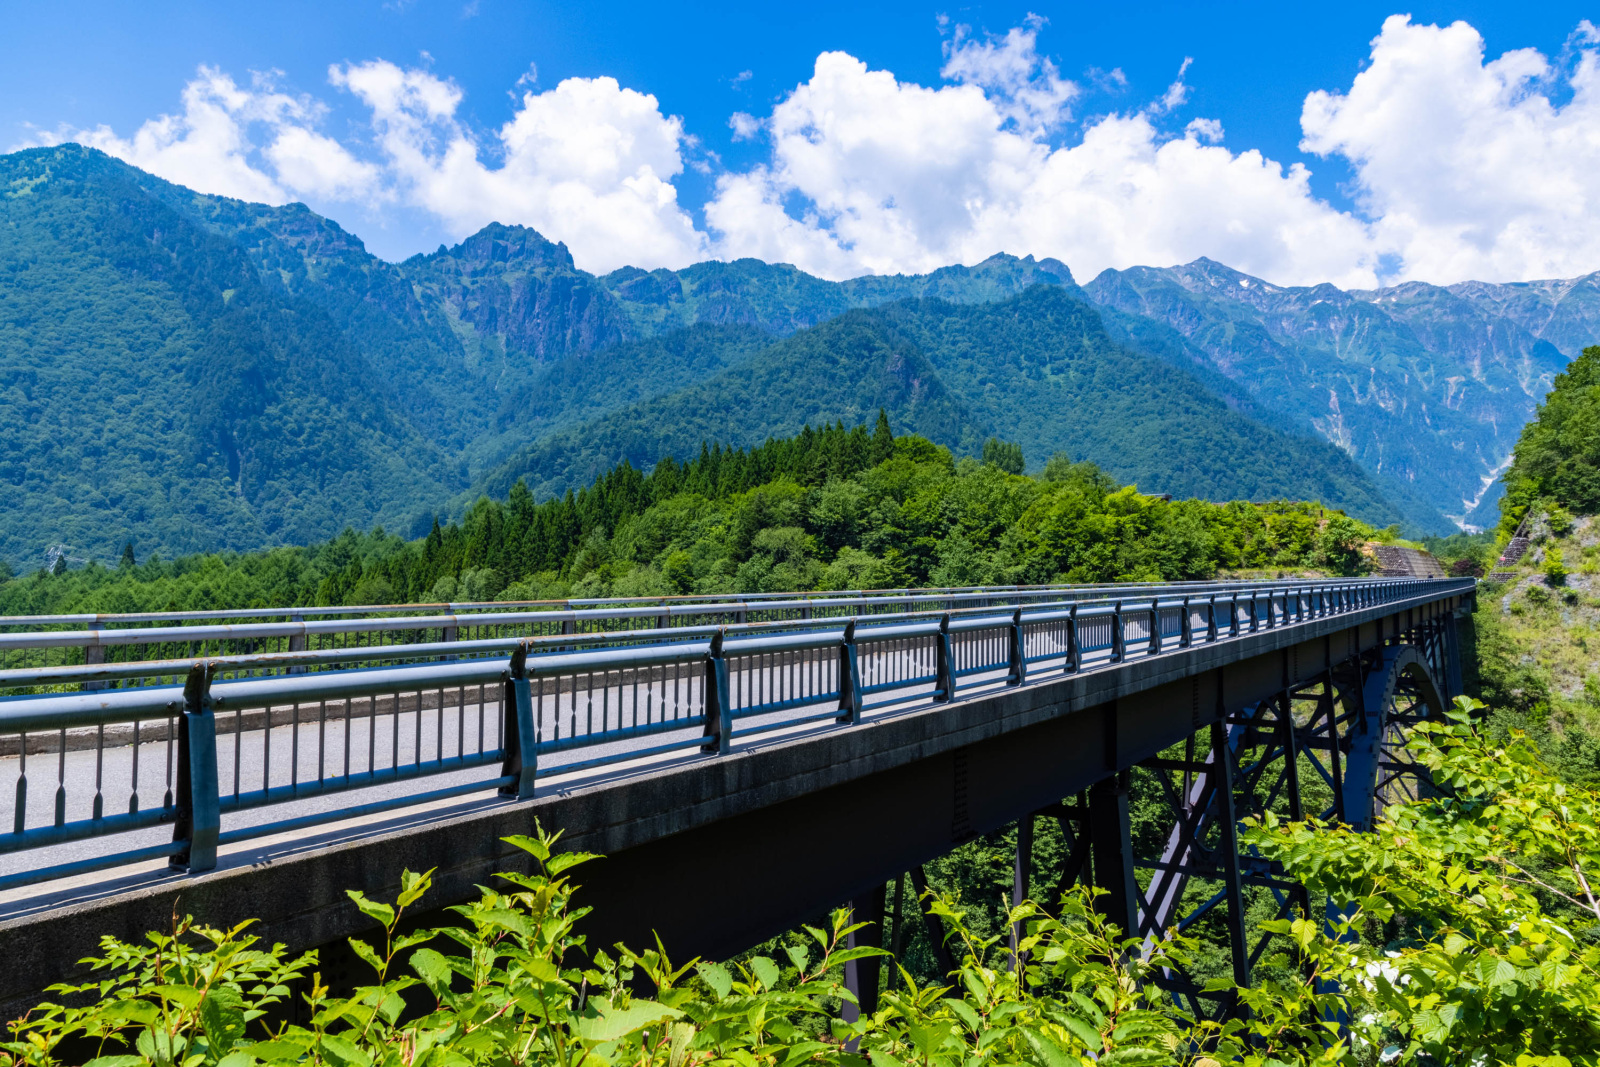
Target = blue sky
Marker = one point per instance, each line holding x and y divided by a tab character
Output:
1367	211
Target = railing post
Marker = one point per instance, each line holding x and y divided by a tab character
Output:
719	709
1155	626
520	750
94	654
849	676
1016	653
1233	615
1117	651
1211	619
1185	626
1074	649
198	819
297	643
944	670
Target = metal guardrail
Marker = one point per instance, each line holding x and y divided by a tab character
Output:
33	642
486	720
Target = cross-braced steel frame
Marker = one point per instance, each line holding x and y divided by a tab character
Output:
1331	748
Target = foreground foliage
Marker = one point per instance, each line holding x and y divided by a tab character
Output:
512	984
1466	936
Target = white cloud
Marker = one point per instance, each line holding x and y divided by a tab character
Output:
895	177
1468	168
587	162
1025	86
209	146
1462	166
205	147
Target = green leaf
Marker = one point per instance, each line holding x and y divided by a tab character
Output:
186	995
531	845
222	1017
1082	1029
380	913
1136	1057
765	970
345	1051
367	953
928	1037
412	886
126	1060
965	1012
434	970
1045	1051
505	919
616	1023
563	860
717	977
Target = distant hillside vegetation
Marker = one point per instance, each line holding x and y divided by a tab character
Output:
834	507
1038	368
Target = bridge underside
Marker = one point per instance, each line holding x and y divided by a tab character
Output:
718	854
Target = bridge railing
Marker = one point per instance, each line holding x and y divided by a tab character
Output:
220	749
32	642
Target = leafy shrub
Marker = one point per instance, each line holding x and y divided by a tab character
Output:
1555	568
1491	884
514	985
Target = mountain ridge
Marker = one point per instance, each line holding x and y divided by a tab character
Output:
317	385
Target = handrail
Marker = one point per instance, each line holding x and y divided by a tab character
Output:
99	674
764	601
544	697
297	635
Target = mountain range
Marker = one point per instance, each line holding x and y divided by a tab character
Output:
194	373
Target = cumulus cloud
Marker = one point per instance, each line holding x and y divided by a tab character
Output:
588	162
224	134
1460	165
1469	168
892	176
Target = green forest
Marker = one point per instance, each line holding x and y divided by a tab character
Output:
832	508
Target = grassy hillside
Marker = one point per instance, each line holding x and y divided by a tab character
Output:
1538	621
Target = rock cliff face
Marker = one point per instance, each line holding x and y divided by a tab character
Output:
1427	384
519	295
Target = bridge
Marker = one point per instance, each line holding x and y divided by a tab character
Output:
744	766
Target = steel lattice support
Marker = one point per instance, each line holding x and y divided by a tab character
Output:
1330	749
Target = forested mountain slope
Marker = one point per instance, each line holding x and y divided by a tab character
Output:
1038	369
1425	384
153	383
